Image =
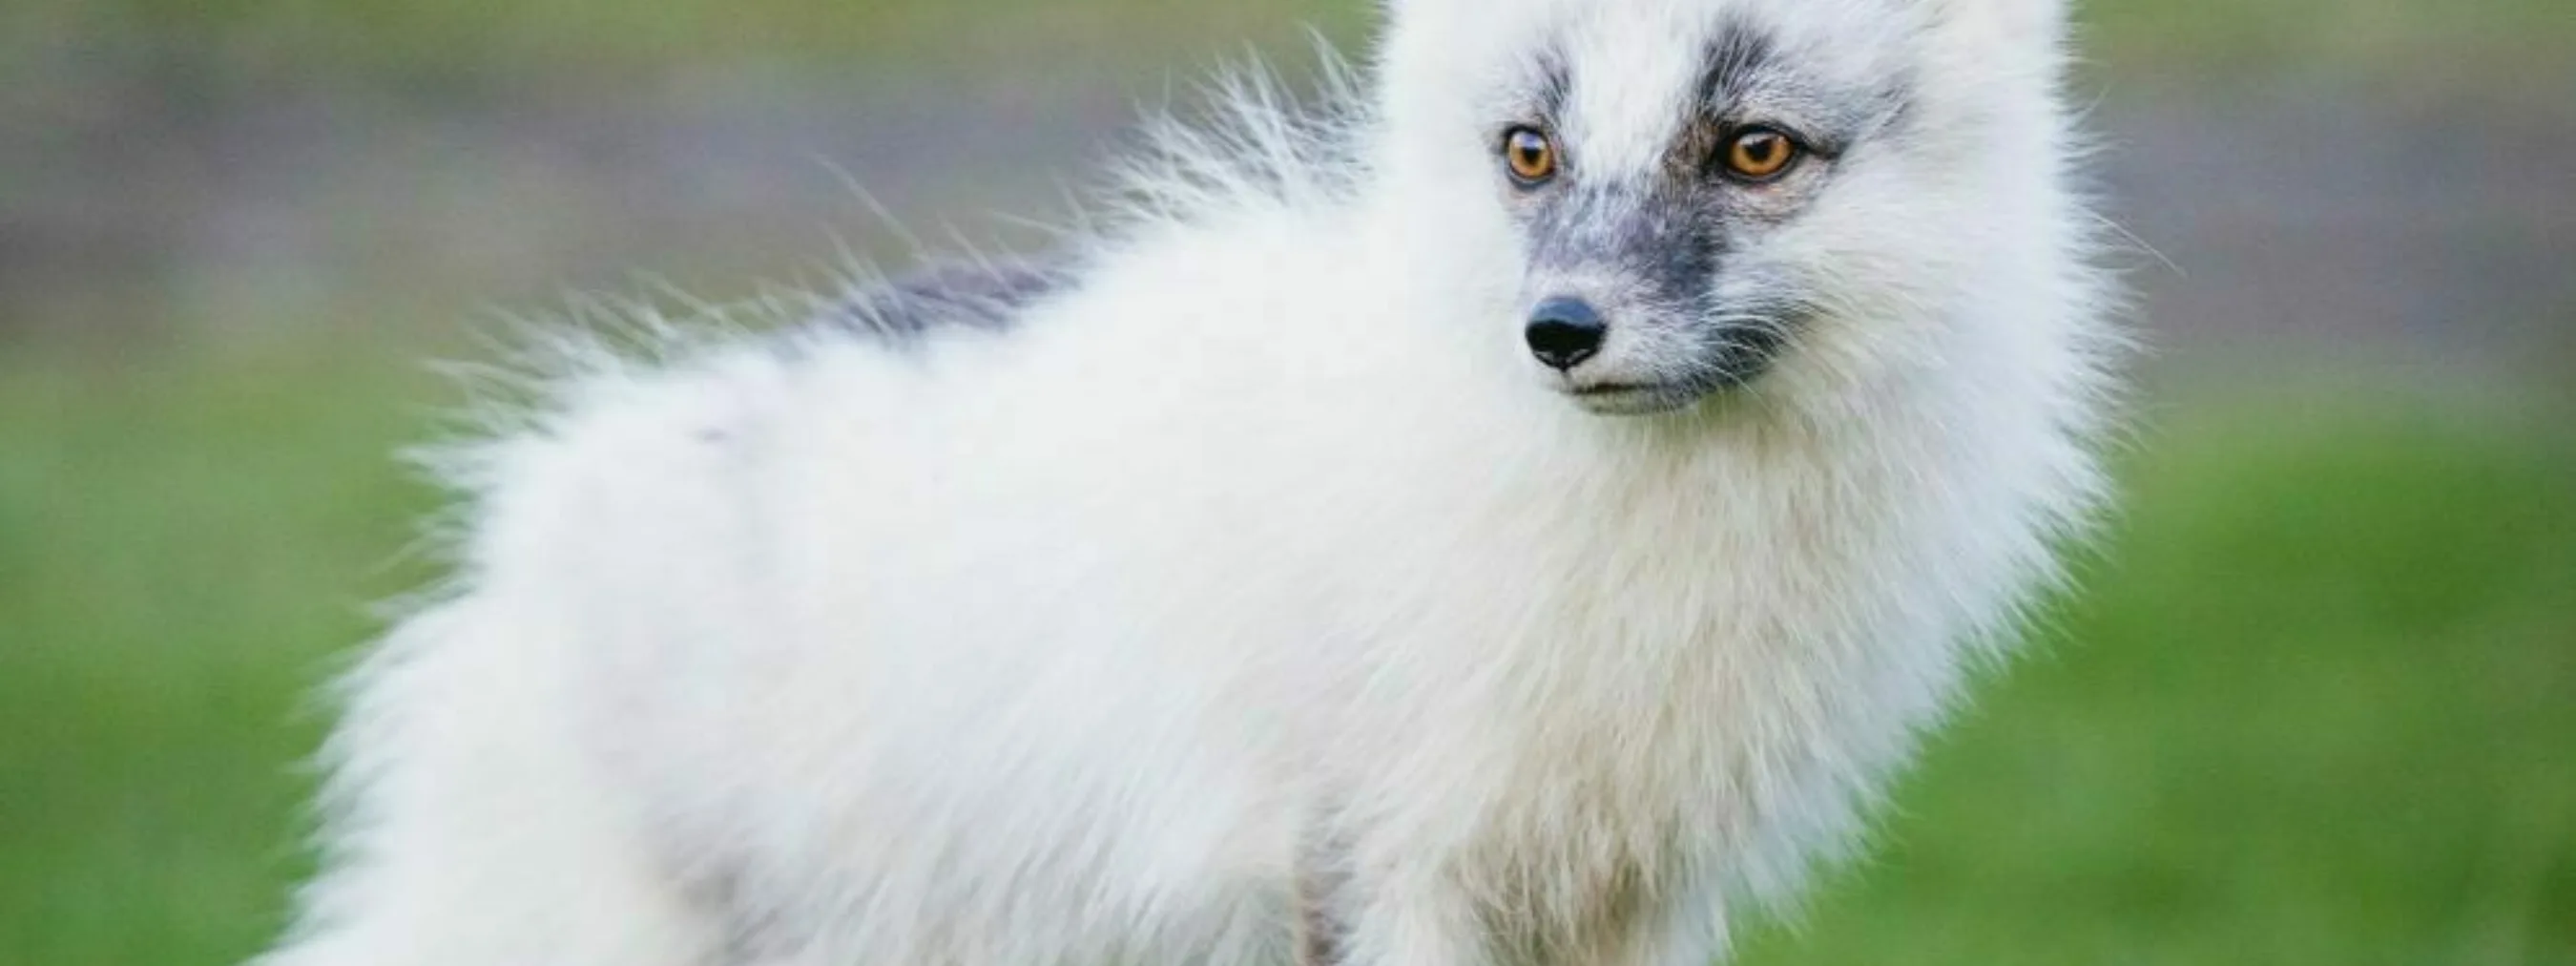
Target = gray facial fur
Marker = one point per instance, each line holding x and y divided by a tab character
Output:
1658	256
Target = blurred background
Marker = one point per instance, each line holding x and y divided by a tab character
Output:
2316	702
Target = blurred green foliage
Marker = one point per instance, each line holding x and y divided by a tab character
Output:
910	41
2478	46
2313	708
182	546
590	43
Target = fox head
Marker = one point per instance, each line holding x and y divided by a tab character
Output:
1669	200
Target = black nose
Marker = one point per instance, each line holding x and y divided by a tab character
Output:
1565	331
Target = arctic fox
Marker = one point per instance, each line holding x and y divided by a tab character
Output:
1516	512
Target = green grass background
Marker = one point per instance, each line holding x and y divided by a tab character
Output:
2316	702
2394	48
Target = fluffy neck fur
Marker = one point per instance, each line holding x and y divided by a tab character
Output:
1718	629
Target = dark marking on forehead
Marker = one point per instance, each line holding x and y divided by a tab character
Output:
1735	61
1750	75
1555	87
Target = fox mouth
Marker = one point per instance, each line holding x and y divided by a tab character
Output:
1634	398
1641	397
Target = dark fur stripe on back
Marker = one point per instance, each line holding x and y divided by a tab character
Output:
988	297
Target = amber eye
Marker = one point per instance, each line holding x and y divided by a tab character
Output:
1760	154
1530	155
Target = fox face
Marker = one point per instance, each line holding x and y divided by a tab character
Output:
1683	198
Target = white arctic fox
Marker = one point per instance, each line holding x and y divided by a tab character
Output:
1515	514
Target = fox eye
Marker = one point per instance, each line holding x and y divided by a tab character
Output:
1759	154
1531	156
